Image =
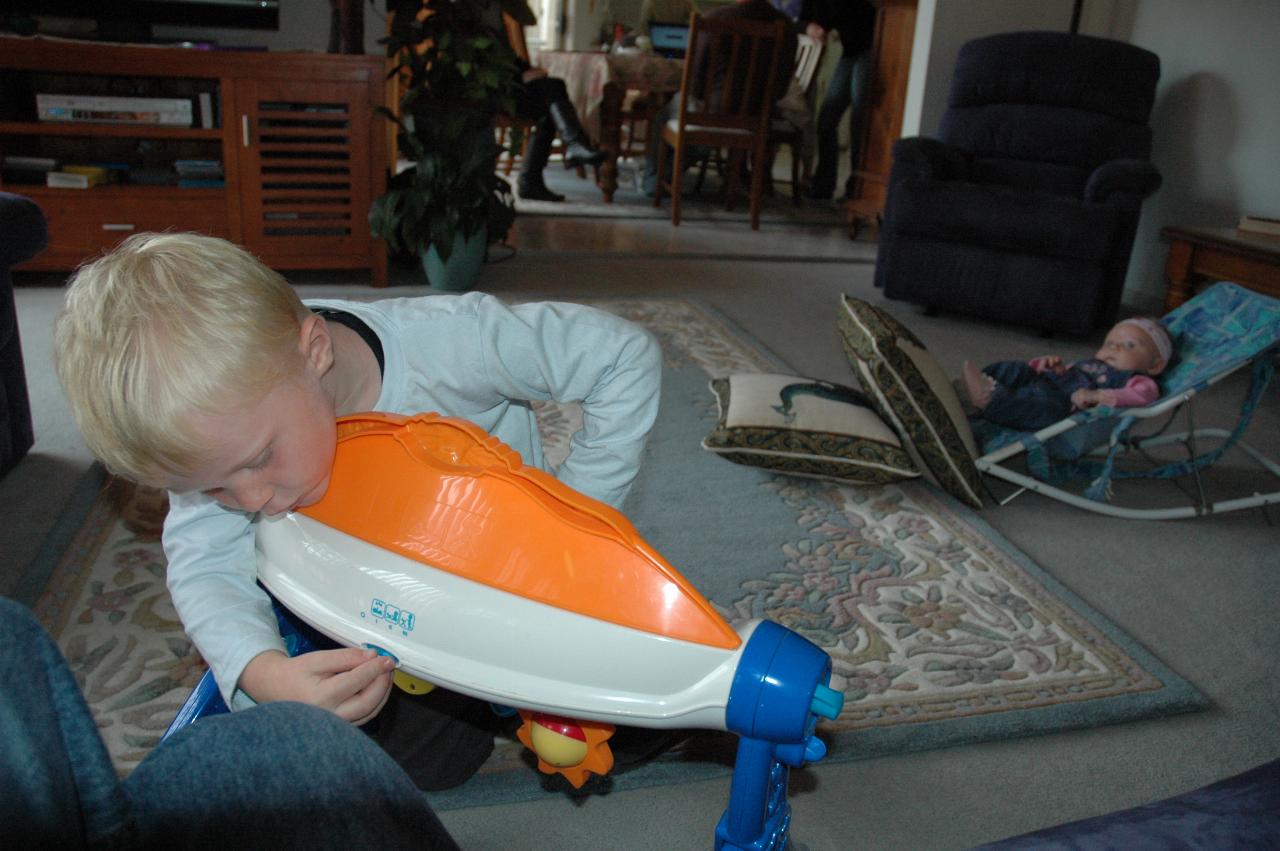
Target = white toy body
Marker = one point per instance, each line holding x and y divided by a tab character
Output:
491	644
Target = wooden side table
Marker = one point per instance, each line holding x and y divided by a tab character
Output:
1219	254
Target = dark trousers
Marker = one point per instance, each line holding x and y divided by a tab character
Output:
1024	399
533	103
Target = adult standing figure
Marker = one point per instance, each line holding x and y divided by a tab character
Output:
847	89
757	10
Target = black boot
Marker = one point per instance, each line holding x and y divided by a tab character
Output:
529	185
577	147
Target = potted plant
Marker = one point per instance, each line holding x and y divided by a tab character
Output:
457	72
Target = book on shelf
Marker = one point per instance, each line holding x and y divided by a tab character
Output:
176	112
72	180
1259	224
30	163
22	170
198	170
208	120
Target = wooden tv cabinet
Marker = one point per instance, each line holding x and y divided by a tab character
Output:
301	149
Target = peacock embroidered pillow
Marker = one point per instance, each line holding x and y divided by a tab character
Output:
913	393
805	427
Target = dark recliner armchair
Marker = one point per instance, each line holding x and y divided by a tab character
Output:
1024	209
23	234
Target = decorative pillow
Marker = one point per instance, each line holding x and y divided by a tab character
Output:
805	427
914	395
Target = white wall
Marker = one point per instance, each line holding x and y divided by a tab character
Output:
1216	119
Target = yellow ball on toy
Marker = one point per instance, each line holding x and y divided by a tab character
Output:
558	741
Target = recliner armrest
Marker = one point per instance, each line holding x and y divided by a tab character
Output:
1124	182
925	158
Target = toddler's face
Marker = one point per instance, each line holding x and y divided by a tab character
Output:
1129	348
274	456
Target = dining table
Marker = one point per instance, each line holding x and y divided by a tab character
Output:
600	84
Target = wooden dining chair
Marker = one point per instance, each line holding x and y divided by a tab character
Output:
726	101
782	131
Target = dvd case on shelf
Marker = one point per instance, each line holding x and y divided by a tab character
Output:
176	112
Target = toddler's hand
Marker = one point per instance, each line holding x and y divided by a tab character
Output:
1086	398
352	683
1049	363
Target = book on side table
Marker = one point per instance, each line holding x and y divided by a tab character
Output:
1259	224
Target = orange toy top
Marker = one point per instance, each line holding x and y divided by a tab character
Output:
441	491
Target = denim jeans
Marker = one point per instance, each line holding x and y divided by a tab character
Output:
692	153
846	90
280	775
1024	399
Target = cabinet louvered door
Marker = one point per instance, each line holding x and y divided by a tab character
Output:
305	182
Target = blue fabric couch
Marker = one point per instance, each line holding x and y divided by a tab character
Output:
1241	812
1024	209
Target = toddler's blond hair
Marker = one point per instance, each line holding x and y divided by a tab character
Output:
165	326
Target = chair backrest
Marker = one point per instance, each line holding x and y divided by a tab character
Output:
1030	103
808	57
731	73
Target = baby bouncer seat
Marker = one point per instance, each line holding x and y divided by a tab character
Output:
1221	331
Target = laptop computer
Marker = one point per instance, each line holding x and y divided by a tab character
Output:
669	40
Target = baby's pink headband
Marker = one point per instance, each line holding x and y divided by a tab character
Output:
1159	336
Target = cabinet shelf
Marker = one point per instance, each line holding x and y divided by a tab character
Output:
87	128
300	147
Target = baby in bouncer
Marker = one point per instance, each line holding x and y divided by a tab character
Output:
1031	395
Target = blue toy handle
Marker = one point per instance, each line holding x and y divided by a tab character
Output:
780	689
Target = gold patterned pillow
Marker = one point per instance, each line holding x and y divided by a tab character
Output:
914	395
805	427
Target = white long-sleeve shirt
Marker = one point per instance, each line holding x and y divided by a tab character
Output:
469	356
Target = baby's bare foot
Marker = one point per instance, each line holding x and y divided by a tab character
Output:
978	384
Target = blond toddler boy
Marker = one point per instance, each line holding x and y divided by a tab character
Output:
192	367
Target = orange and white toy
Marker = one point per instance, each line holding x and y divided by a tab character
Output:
436	545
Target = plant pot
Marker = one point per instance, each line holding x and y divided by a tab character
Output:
463	267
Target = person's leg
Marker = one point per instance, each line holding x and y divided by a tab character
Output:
835	100
440	738
578	150
692	153
1027	407
859	93
529	184
649	177
533	104
1010	373
547	101
59	787
287	775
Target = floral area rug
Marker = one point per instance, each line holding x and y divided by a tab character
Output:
941	633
